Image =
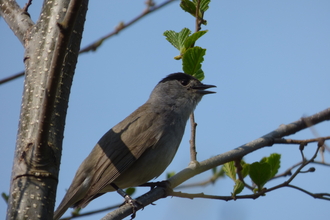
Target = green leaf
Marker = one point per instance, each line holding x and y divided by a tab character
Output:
230	170
204	5
192	62
260	173
238	188
190	41
76	212
130	191
188	6
214	170
220	173
170	174
5	197
178	39
246	169
274	160
199	75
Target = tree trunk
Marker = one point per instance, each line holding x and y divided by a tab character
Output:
51	52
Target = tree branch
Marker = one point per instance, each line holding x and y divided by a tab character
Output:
192	141
193	124
121	26
304	163
239	152
10	78
292	141
54	76
16	18
27	5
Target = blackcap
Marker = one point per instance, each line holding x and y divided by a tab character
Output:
141	146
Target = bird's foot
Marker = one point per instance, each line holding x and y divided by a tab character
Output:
134	204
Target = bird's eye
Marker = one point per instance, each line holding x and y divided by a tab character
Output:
184	82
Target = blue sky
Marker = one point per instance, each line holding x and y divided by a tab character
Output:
270	61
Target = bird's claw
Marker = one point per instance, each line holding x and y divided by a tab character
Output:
134	204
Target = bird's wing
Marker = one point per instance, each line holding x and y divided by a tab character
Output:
123	145
117	150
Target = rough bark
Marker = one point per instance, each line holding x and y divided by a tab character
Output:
51	50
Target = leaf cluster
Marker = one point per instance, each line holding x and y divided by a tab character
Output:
259	172
192	56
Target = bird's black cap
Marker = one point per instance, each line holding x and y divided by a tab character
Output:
182	77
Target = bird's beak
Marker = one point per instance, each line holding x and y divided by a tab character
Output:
201	89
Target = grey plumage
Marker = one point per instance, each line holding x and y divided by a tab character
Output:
140	147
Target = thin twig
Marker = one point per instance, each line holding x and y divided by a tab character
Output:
292	141
91	212
211	180
193	124
27	5
239	168
93	46
325	196
192	141
149	9
10	78
198	19
288	172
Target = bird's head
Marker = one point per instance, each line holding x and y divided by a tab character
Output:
179	90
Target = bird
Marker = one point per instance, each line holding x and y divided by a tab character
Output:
140	147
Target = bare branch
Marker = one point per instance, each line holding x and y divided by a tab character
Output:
325	196
205	196
192	141
27	5
292	141
12	77
121	26
91	212
206	182
198	23
193	124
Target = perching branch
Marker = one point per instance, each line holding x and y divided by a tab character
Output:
303	164
193	169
